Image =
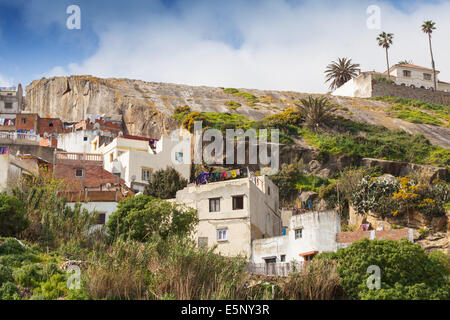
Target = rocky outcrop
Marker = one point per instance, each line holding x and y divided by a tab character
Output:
147	107
399	169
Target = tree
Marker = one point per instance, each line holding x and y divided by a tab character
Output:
12	216
428	27
405	62
142	217
315	110
385	40
406	270
286	179
341	71
165	184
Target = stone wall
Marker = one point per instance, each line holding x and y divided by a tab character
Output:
386	89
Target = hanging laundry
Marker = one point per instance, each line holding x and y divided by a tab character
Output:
233	174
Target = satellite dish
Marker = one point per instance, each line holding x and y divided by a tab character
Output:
120	134
133	178
97	126
108	185
45	135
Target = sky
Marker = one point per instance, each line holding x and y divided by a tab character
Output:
262	44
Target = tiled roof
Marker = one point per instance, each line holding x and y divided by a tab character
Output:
407	65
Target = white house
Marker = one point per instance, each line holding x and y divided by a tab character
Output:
134	159
309	233
234	212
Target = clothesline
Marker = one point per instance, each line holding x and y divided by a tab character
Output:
207	177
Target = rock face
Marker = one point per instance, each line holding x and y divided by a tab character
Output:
147	107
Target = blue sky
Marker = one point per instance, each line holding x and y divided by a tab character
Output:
266	44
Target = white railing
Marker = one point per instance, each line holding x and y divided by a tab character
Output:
19	136
274	269
70	156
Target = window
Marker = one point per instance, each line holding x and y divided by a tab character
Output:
426	76
270	260
179	157
85	138
146	175
222	234
24	120
309	257
117	174
101	218
238	203
268	190
214	205
298	233
79	173
283	258
406	73
8	105
51	124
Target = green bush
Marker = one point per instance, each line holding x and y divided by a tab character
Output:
12	216
142	217
407	272
11	246
55	287
8	291
5	274
30	275
164	184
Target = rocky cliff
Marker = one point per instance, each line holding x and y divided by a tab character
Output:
146	107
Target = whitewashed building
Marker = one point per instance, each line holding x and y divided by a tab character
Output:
234	212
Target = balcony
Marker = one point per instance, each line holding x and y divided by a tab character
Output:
93	158
20	138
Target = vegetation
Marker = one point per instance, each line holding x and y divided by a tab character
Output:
232	105
341	71
428	27
12	216
407	272
315	110
165	183
385	40
142	218
251	99
417	111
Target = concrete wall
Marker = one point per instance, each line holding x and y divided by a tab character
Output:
361	87
74	141
100	207
256	219
319	234
386	89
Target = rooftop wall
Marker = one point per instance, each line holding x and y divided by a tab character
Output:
386	89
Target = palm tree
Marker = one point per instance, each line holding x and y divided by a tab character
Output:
340	72
428	27
385	40
405	62
315	110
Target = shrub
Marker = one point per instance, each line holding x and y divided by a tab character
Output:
5	274
52	289
30	275
165	184
142	217
12	216
316	111
8	291
11	246
402	264
232	105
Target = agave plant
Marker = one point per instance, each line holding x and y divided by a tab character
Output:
315	110
341	71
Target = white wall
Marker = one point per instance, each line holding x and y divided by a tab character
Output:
100	207
319	234
74	141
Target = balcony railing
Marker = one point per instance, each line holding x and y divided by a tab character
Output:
275	269
83	157
19	136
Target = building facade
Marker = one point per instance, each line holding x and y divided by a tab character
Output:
232	213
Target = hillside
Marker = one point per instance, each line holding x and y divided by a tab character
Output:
147	107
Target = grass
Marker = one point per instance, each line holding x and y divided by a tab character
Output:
232	105
413	110
310	183
251	99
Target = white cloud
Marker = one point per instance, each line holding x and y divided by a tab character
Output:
4	82
279	46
